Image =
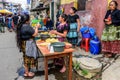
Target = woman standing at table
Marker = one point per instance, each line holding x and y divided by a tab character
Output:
74	22
61	32
111	33
26	44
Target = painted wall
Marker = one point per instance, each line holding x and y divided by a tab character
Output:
118	3
93	15
98	12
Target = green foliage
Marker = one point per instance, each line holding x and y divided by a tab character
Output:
84	72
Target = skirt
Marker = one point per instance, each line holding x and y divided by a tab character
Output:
72	35
111	39
30	62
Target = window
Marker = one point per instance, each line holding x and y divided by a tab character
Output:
82	4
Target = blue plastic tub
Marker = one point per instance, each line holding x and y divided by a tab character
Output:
86	35
85	32
92	32
95	47
83	29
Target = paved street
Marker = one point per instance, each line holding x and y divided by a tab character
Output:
10	58
113	72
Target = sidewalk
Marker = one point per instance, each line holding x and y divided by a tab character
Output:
113	72
10	58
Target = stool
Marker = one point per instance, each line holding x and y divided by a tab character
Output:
85	44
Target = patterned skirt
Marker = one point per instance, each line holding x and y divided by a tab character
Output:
111	39
28	61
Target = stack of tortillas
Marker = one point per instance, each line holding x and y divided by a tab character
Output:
90	64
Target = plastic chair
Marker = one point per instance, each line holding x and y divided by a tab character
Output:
85	44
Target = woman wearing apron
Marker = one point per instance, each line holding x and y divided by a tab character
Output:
61	32
26	44
111	33
74	23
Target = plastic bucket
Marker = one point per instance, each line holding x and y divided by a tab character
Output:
95	47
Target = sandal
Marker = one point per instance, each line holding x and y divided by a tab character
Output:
29	75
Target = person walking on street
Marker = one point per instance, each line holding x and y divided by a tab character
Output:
10	23
74	22
26	44
2	23
15	20
111	33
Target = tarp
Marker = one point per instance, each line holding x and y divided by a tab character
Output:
5	11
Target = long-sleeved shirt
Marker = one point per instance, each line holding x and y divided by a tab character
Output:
115	16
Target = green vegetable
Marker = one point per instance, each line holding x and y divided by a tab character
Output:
76	66
84	72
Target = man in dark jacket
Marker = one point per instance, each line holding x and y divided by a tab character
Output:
15	20
49	24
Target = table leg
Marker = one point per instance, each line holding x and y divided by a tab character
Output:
46	68
70	66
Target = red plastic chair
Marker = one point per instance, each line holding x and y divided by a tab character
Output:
85	44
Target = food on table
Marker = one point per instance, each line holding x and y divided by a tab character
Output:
44	44
52	35
46	33
51	40
34	22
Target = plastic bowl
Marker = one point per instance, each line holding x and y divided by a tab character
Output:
58	46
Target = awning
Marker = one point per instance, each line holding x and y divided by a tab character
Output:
5	11
39	9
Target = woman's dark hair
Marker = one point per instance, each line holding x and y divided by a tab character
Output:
74	9
23	20
116	4
64	16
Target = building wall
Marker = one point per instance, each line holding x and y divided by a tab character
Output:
93	15
118	3
1	4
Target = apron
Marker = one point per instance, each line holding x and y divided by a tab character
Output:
73	31
31	49
111	33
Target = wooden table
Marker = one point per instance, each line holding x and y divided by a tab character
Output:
47	55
